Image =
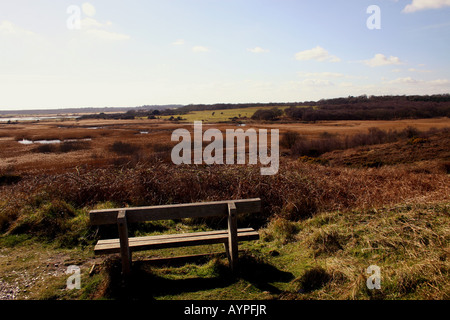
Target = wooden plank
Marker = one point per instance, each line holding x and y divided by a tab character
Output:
232	236
148	243
175	235
177	211
125	251
191	241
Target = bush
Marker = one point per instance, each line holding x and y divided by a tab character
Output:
47	221
314	279
8	179
289	139
281	229
327	242
123	148
69	146
267	114
63	147
46	148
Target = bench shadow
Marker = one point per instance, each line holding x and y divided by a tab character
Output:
146	284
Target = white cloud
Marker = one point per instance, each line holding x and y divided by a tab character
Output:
99	30
381	60
178	42
8	28
440	82
406	80
418	70
418	5
318	53
257	50
398	70
426	85
346	84
321	74
107	35
89	23
88	9
200	49
317	83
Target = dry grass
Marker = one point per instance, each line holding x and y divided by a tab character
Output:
333	220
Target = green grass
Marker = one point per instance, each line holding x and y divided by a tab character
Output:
219	115
323	257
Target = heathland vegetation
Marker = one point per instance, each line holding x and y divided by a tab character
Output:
348	194
350	108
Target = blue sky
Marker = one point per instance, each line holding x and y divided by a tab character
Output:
131	53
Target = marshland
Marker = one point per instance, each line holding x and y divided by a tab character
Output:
348	194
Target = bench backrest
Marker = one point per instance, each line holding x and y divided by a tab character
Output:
175	211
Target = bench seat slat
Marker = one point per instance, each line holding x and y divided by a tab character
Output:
173	240
172	236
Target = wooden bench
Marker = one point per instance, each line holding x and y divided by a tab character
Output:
126	245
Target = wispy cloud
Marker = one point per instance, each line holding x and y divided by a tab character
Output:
88	9
107	35
406	80
381	60
418	5
200	49
317	83
318	53
419	70
321	74
9	28
422	83
90	23
257	50
99	30
178	42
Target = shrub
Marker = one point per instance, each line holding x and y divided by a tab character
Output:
123	148
410	132
326	242
281	229
46	148
47	221
313	279
267	114
446	166
8	179
69	146
289	139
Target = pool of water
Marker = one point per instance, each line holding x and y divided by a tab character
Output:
14	119
27	142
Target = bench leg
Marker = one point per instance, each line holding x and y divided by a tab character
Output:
227	251
232	245
125	251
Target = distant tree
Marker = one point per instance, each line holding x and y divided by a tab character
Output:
267	114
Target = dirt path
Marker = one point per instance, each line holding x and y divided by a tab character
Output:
33	271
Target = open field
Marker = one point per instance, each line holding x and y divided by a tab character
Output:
221	115
324	219
147	135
